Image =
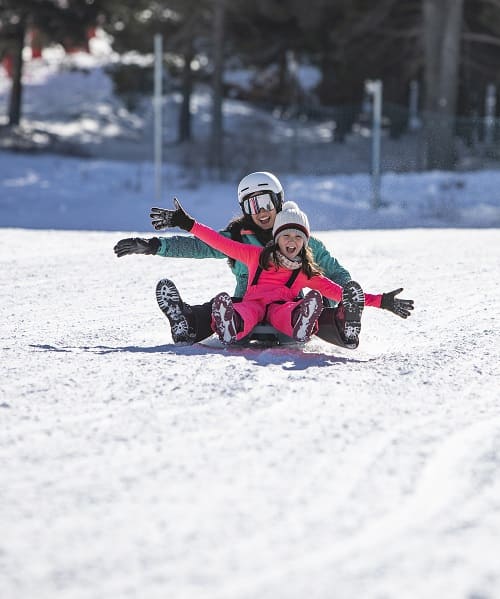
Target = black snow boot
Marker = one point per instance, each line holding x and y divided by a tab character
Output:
348	314
178	313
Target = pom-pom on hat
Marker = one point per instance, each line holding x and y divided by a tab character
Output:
292	218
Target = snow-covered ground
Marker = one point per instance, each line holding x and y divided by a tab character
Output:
133	468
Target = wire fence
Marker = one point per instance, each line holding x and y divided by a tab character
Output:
319	141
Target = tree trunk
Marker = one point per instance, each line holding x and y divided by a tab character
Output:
17	73
442	24
216	155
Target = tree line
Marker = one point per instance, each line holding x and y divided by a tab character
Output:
452	47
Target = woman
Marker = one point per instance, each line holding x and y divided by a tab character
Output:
260	197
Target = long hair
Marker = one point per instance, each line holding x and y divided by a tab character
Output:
245	222
269	256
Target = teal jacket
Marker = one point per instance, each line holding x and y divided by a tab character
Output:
180	246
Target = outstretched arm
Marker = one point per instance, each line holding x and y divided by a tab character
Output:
387	301
179	246
164	218
176	246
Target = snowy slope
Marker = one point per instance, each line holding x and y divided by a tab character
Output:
133	468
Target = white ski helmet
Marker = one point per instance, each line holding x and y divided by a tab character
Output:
261	181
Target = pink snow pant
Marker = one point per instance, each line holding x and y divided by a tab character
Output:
253	312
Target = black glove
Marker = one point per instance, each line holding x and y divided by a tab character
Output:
165	219
136	245
401	307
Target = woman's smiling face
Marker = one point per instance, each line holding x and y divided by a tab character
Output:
290	244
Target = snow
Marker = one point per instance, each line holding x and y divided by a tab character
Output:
135	468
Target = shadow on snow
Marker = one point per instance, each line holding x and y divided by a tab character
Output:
289	357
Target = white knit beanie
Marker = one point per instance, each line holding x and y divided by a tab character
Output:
292	218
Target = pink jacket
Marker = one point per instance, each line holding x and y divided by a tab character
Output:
271	286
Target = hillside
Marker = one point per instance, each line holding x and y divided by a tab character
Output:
134	468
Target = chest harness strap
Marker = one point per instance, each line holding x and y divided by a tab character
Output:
289	283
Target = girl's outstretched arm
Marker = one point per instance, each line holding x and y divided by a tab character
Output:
162	218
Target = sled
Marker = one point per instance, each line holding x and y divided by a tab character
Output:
265	334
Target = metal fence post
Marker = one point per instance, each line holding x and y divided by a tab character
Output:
413	121
375	89
489	119
158	109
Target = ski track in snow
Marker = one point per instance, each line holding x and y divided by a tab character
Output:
134	468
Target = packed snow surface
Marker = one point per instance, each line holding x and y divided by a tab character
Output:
135	468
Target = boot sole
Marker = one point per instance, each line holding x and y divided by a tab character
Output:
223	315
309	311
353	300
170	304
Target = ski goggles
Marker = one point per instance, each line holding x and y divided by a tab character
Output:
263	201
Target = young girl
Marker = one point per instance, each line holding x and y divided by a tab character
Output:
277	274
